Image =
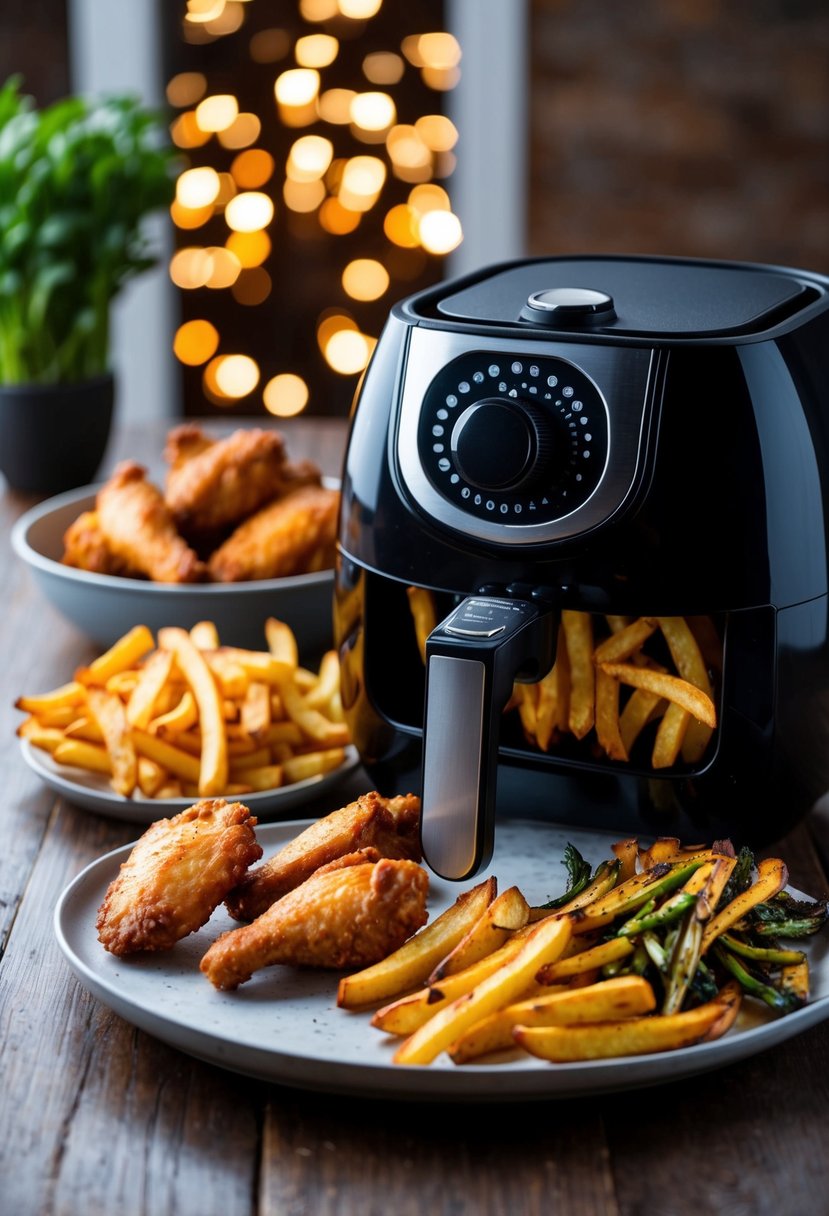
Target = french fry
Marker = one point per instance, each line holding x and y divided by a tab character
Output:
176	762
586	960
578	633
123	653
678	691
111	717
281	642
772	876
312	764
151	777
183	715
690	664
627	852
630	1036
328	682
608	1000
641	707
669	736
205	635
542	945
255	713
48	738
422	607
409	966
79	754
214	766
507	912
71	694
626	642
155	674
607	716
311	722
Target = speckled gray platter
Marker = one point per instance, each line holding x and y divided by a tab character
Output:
284	1025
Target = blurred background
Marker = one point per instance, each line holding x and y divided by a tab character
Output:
337	155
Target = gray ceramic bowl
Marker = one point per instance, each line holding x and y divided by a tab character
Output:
105	607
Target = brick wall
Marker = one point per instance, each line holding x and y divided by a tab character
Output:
685	127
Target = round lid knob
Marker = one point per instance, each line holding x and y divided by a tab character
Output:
500	444
578	306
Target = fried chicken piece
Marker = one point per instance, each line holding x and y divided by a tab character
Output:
390	825
212	485
285	537
177	874
85	548
139	529
344	915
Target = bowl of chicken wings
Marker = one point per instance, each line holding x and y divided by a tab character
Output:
234	532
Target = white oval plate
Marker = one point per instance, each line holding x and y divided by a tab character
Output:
284	1025
93	792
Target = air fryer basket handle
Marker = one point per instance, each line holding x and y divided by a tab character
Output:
472	661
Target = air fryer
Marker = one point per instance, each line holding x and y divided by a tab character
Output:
544	453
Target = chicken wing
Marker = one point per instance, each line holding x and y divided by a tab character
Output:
212	485
391	825
176	875
342	916
139	529
85	548
292	535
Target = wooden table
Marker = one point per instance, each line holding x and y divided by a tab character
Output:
98	1117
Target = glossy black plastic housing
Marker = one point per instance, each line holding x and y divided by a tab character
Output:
727	516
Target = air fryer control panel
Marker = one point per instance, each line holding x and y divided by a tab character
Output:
521	443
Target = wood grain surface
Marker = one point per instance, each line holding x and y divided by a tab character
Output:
99	1117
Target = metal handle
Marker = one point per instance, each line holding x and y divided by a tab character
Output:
472	660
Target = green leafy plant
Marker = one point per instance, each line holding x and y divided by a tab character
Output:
77	180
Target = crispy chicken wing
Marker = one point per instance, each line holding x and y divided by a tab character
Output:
292	535
85	547
212	485
139	529
344	915
176	875
391	825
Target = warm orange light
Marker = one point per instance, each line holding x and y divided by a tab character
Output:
197	187
285	395
440	232
249	211
336	219
347	351
439	50
309	158
383	67
252	286
437	132
296	92
400	226
195	342
316	50
227	190
373	112
229	19
362	181
225	270
251	248
235	375
359	10
410	157
189	217
429	197
267	46
334	106
201	11
330	323
318	10
242	132
216	113
191	267
252	169
186	88
365	279
186	132
302	196
440	79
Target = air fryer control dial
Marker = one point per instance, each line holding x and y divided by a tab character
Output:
502	444
515	439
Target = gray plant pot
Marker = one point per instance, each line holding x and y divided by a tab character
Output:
53	436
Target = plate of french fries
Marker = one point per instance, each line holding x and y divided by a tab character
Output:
159	720
531	981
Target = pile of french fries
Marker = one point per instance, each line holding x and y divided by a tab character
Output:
652	952
184	716
581	696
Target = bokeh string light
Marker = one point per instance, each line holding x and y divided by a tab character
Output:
314	189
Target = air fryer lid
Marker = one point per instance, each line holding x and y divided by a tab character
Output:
646	297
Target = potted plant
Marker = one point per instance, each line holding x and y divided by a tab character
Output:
77	180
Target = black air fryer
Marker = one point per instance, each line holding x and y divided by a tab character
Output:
611	438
